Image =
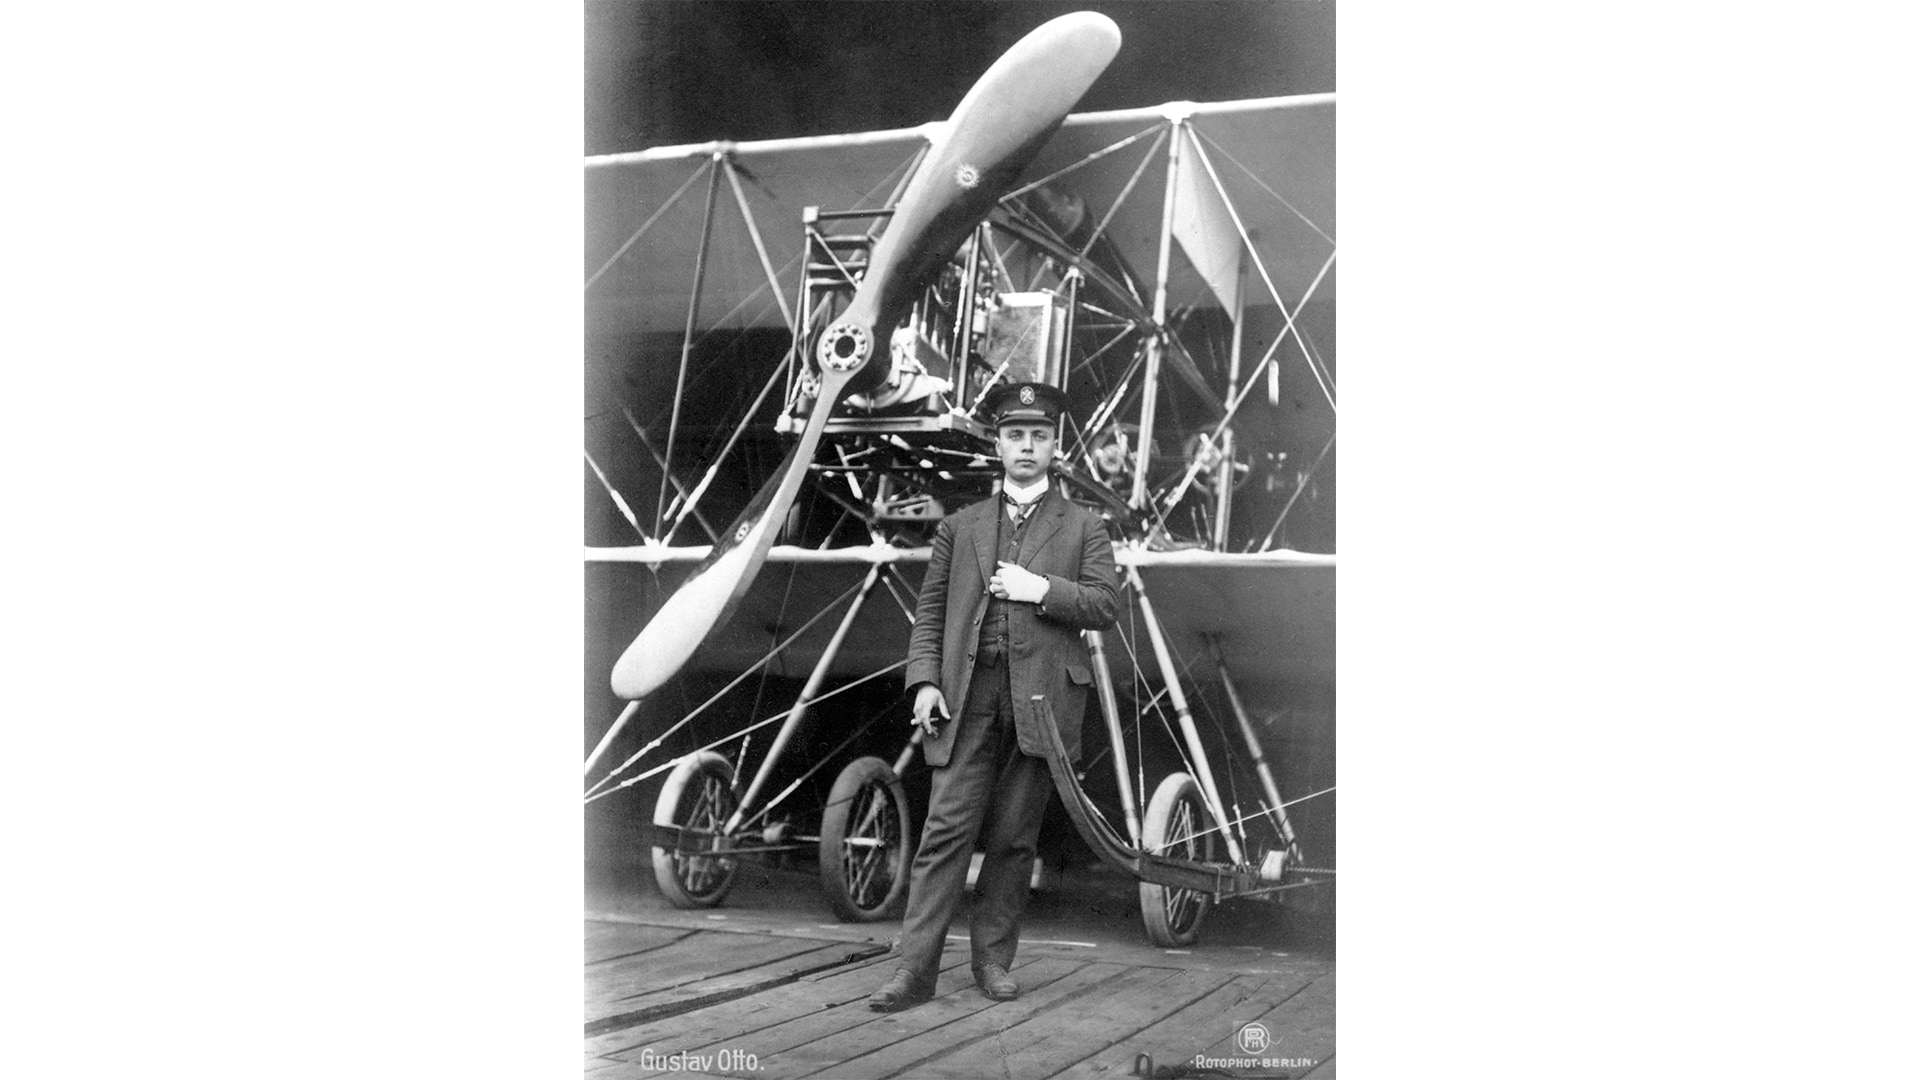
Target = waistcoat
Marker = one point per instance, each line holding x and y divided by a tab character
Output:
994	626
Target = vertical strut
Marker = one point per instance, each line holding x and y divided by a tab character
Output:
1223	473
807	695
1253	749
1110	708
960	363
766	264
1171	675
686	339
1156	341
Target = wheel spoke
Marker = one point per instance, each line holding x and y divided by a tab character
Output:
701	867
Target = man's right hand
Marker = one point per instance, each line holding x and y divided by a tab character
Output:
925	700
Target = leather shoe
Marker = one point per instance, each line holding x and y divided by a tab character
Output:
994	982
901	992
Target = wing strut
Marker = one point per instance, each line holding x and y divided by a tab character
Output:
1170	674
799	711
1110	709
686	340
1253	749
1156	343
759	246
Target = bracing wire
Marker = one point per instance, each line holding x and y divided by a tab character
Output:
743	732
762	662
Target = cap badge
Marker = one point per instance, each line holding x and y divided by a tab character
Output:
1026	395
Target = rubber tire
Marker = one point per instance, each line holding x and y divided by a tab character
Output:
1172	916
868	801
699	795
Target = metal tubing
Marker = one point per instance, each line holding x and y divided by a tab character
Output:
606	740
634	422
642	230
1074	277
1261	266
959	360
1145	160
693	498
924	133
1223	475
799	712
1149	390
1171	675
1110	708
686	343
1253	746
753	230
618	502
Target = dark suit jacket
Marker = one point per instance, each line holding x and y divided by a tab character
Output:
1066	543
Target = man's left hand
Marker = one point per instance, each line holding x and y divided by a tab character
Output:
1016	582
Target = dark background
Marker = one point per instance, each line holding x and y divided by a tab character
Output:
663	72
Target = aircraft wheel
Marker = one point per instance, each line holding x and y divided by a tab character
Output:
864	844
1176	818
698	795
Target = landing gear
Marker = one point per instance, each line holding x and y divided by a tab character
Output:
698	798
864	846
1177	824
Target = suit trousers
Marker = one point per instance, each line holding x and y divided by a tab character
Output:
988	783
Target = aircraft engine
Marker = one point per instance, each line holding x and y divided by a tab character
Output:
909	383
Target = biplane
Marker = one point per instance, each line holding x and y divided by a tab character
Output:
788	343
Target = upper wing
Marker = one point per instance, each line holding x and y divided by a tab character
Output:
1274	159
646	211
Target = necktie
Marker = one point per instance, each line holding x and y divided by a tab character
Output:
1020	510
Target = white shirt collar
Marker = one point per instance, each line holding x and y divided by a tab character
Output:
1027	495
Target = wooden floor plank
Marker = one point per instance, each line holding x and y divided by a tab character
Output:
963	1013
1301	1029
824	1042
707	993
1212	1019
1048	1042
609	940
770	1042
745	1015
634	982
908	1057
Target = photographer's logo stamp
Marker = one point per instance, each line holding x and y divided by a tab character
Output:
1254	1047
1253	1039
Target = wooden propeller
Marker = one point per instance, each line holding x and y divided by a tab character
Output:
993	134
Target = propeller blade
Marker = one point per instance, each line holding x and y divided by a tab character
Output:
709	597
993	134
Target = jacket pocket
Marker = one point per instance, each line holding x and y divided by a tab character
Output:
1079	675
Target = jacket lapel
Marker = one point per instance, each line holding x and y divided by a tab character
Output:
984	537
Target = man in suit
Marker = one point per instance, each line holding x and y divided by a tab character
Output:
1012	582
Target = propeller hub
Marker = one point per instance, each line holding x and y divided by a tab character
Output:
844	348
